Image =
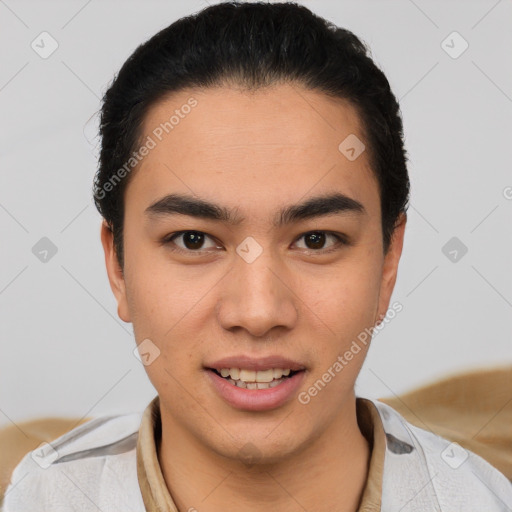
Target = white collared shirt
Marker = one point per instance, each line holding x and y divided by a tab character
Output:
110	464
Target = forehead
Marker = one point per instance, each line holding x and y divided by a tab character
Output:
281	142
233	117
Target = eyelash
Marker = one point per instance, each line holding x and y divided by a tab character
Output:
169	241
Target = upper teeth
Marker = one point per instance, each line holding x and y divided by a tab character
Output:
255	376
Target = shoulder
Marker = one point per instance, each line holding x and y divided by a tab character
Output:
425	469
90	467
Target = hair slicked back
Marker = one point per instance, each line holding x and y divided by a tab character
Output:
254	45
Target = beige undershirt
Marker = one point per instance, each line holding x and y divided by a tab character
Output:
156	496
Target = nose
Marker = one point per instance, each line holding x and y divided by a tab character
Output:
257	297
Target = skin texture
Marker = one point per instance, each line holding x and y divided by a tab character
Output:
257	152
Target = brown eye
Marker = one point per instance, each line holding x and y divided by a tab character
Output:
192	241
315	241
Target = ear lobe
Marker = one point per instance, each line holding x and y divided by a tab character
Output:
114	272
390	266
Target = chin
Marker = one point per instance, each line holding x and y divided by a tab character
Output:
258	449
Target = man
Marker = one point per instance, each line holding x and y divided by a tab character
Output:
254	188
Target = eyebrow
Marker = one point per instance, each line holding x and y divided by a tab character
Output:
319	206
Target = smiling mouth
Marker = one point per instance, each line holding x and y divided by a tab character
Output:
252	379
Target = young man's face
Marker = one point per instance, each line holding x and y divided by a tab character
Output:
263	290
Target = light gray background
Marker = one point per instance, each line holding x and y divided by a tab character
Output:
65	351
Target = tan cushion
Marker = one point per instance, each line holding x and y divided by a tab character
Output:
473	409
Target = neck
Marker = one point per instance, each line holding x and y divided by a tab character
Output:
329	474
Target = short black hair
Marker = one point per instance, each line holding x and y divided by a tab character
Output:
254	45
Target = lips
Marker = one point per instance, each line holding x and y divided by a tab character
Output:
255	384
256	364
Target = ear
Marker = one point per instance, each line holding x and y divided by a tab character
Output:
115	272
390	267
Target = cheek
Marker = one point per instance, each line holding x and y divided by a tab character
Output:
155	292
161	315
169	310
156	303
346	303
343	337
